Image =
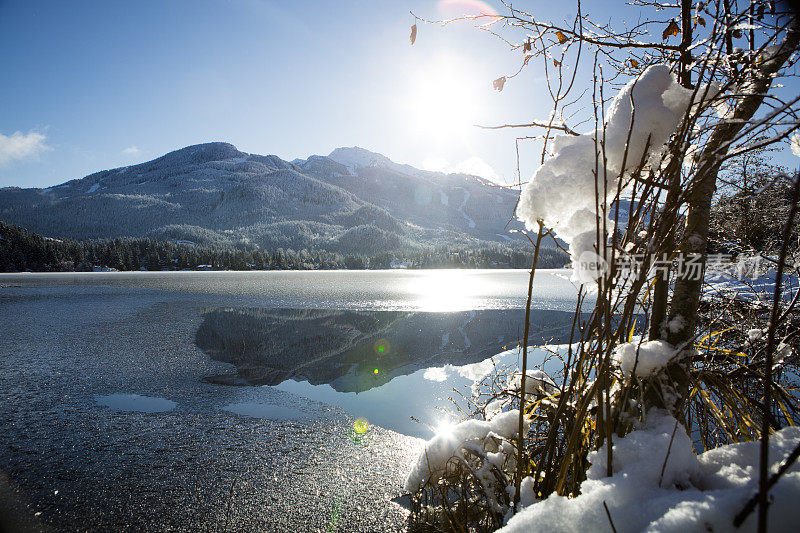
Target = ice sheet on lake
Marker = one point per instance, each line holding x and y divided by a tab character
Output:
266	410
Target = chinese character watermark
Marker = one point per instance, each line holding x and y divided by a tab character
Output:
591	267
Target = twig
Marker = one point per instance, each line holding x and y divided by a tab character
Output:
560	127
669	449
520	435
763	480
608	514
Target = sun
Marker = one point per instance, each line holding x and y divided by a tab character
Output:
442	99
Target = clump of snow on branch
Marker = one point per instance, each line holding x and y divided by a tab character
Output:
475	434
536	383
656	486
646	357
795	144
562	192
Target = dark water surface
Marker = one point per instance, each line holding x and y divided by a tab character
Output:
152	401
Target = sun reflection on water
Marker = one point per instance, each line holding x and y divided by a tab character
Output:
445	291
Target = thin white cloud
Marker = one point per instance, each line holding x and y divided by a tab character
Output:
477	167
474	166
20	145
132	150
436	164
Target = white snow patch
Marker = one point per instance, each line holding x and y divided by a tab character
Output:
476	371
435	374
431	462
695	493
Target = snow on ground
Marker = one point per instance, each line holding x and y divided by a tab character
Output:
93	188
437	452
695	493
443	198
750	287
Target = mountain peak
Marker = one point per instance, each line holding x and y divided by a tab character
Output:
204	152
356	156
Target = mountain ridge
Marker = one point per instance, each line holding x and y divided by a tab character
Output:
352	200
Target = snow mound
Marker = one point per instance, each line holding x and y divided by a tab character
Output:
562	192
432	460
694	493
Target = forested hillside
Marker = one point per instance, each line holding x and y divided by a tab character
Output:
353	202
21	250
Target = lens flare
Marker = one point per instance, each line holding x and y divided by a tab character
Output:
361	426
381	347
458	8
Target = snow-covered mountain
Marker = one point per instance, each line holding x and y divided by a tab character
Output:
352	200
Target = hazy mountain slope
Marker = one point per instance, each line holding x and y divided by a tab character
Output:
352	201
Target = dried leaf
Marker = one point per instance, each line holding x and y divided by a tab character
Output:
498	83
561	37
737	34
413	33
527	58
672	29
634	63
701	21
556	63
526	47
760	12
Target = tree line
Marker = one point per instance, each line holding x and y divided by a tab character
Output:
22	250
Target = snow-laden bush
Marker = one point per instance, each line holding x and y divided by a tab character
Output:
563	192
659	484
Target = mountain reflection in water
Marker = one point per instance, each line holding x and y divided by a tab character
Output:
354	351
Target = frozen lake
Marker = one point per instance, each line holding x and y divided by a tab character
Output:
144	400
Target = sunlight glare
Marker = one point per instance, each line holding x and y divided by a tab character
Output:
445	290
443	99
445	428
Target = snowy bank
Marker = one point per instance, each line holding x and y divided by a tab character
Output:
468	434
694	492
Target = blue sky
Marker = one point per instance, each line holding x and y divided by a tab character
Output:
97	85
